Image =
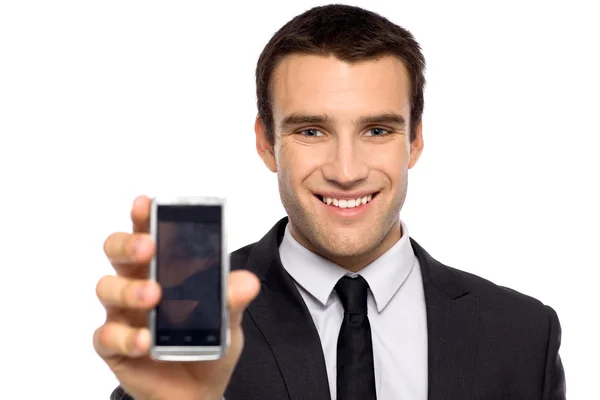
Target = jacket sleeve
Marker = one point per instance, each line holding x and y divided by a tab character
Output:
554	374
119	394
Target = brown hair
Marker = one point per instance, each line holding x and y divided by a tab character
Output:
349	33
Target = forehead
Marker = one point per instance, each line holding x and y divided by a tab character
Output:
327	85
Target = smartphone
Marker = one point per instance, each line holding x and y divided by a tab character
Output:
191	264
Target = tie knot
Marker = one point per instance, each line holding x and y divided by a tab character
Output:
353	294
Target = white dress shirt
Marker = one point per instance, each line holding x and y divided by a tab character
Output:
396	310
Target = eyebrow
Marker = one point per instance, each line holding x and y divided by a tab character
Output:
300	119
385	118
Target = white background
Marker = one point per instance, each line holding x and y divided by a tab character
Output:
103	100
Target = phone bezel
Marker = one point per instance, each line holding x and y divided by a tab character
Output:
191	353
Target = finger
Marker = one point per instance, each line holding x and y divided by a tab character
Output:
140	214
126	248
121	292
244	286
133	317
114	339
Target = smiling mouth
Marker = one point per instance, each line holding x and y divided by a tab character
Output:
347	203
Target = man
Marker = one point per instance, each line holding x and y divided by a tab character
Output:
337	301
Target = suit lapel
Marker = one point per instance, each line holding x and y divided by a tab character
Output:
453	329
281	315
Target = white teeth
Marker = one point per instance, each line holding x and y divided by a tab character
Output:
343	203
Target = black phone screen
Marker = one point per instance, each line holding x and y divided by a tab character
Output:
188	269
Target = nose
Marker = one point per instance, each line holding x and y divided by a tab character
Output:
346	165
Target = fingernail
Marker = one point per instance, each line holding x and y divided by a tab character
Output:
134	247
141	293
139	343
136	351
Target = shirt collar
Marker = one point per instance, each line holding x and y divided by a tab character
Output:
319	276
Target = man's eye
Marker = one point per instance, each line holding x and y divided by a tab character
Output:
377	132
311	132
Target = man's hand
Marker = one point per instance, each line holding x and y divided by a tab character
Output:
123	341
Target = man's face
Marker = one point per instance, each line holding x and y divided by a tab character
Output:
342	152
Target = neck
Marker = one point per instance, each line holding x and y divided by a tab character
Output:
355	262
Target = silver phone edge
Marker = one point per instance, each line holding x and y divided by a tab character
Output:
191	353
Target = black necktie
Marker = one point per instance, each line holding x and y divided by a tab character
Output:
355	367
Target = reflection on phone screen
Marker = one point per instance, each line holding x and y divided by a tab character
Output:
189	271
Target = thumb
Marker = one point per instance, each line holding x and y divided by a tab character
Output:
244	286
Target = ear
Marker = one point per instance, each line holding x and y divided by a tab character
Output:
263	147
416	147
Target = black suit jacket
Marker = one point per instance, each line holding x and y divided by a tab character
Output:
484	341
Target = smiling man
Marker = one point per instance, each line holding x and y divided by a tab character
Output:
341	145
337	301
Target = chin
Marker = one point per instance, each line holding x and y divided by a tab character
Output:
346	244
335	237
